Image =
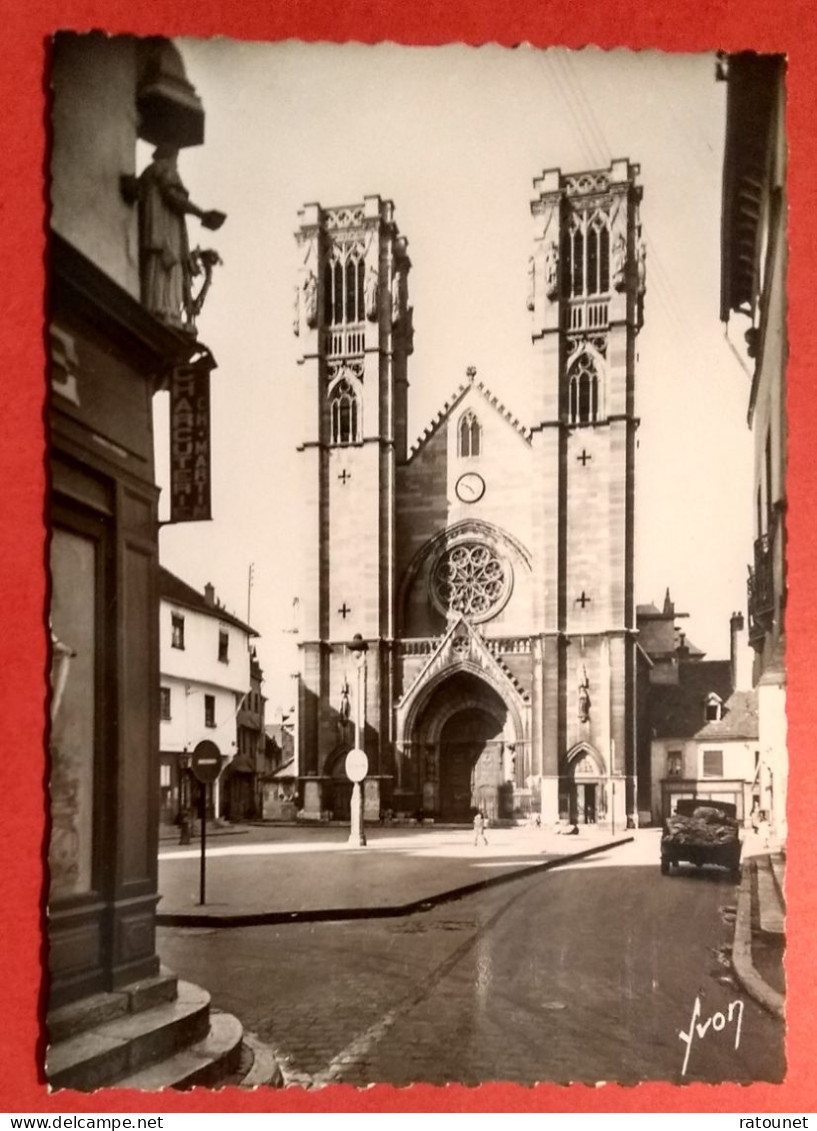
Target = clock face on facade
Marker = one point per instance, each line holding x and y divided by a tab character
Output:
470	487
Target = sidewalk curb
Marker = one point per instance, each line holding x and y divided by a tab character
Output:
265	1071
328	914
744	967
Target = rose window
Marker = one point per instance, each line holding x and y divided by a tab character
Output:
470	579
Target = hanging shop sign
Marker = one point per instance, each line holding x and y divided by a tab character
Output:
190	450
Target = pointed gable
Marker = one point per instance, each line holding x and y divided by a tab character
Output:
454	406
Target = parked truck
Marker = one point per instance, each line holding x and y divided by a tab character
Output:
701	832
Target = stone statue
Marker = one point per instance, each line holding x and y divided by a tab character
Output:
531	300
345	711
311	300
395	297
584	696
552	270
641	267
370	294
296	312
619	262
166	268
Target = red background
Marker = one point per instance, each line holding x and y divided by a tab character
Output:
682	25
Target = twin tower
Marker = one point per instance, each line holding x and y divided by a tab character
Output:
486	573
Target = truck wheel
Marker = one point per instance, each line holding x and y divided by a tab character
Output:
735	874
665	866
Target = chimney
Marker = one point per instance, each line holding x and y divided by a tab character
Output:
739	654
209	595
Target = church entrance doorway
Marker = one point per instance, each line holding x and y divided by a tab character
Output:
461	750
585	794
471	766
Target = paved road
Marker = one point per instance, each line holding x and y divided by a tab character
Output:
588	973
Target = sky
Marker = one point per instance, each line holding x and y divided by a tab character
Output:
454	136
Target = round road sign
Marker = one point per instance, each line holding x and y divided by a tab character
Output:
206	762
357	765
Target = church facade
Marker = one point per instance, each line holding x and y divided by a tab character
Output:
487	571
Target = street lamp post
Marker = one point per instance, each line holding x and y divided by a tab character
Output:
356	763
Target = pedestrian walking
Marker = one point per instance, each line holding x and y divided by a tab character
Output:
479	828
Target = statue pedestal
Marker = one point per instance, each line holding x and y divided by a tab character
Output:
371	800
312	810
549	794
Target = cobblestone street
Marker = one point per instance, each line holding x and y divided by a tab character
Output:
588	972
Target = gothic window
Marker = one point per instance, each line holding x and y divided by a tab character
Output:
583	392
327	292
337	303
586	255
598	256
577	262
470	435
343	291
470	579
345	414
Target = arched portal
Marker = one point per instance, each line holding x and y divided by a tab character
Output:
468	738
587	787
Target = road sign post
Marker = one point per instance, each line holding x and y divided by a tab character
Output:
357	766
206	766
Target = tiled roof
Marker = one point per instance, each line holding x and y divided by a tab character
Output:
739	719
282	737
178	592
677	710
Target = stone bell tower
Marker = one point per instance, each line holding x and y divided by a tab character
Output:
353	323
585	296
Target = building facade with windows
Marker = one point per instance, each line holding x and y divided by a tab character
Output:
705	741
205	683
753	285
701	717
112	347
242	781
109	353
487	570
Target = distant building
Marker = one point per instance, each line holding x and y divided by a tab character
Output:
753	284
280	783
701	717
704	740
204	684
664	641
242	795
